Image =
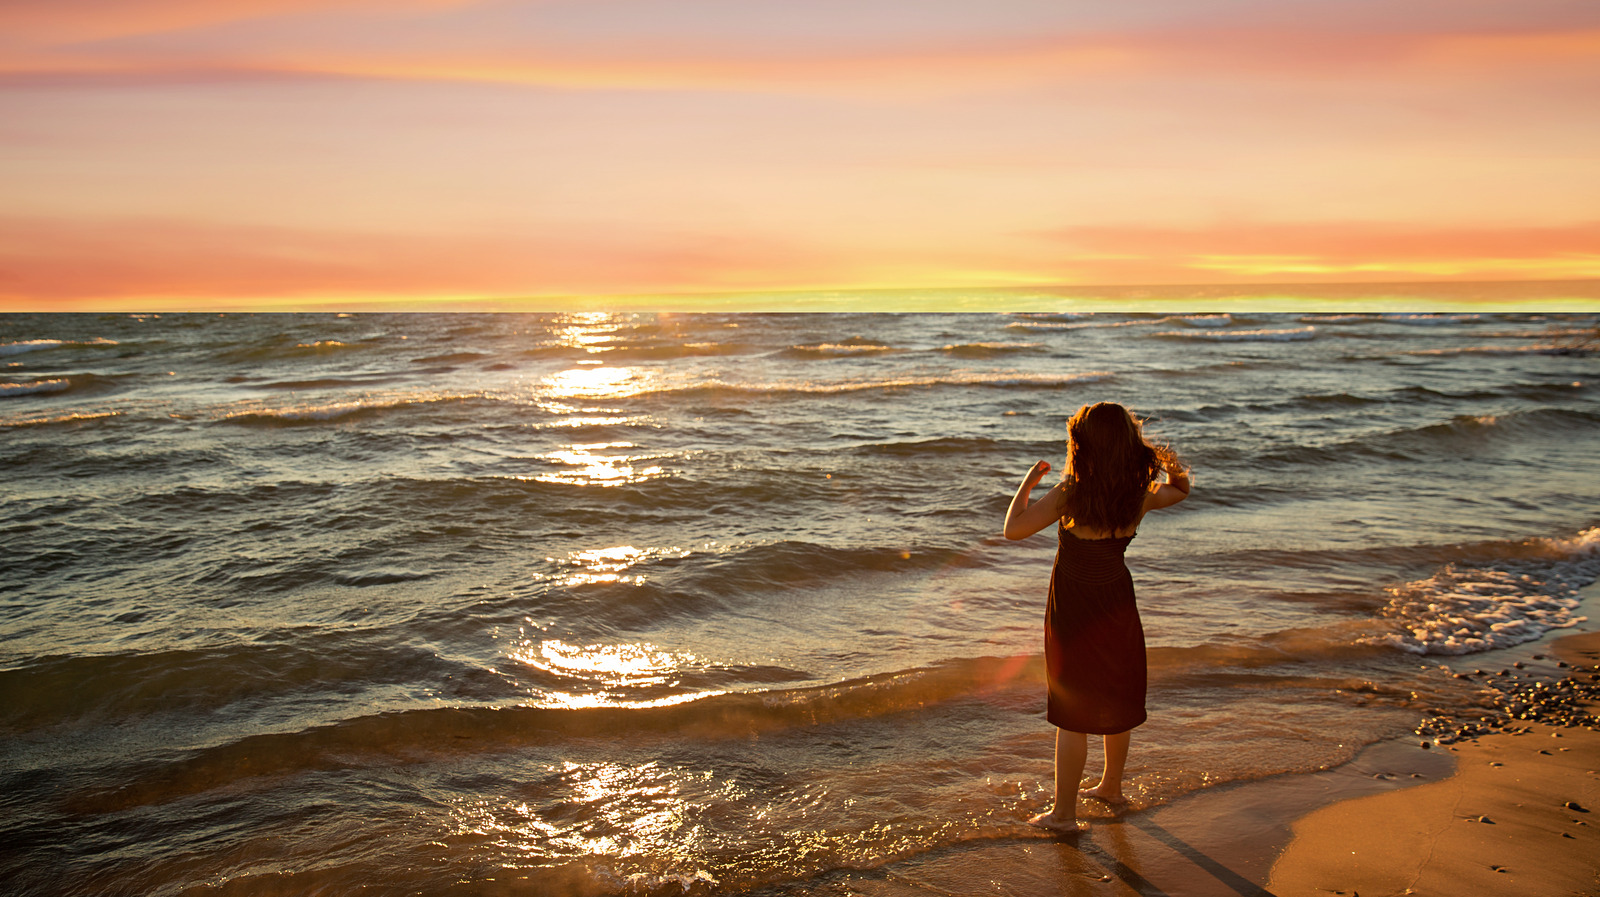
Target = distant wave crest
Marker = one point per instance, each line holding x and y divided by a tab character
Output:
12	390
34	345
303	414
1238	336
74	418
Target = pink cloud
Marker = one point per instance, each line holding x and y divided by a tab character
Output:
724	61
87	20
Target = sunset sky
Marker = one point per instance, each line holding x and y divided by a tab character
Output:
275	153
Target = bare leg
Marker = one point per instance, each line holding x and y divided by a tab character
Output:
1109	788
1072	749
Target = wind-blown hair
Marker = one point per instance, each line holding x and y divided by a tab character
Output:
1110	466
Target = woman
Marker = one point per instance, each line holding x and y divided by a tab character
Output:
1093	642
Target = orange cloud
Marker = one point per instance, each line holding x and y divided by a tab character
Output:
48	264
159	264
1330	251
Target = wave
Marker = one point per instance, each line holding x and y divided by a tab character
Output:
320	383
715	579
1470	607
311	414
683	350
648	351
1429	320
452	358
987	350
1538	349
36	387
1217	320
1079	325
73	418
80	384
949	445
1551	333
429	734
35	345
420	735
1409	395
1338	319
1476	427
1463	432
283	349
99	689
641	388
843	348
1057	316
1231	336
960	379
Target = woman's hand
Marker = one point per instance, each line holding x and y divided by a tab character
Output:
1036	473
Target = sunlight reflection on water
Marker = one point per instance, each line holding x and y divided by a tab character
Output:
600	809
609	675
597	383
586	466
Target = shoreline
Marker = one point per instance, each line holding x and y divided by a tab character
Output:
1395	820
1516	818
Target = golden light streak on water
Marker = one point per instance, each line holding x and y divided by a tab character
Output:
588	331
597	383
591	468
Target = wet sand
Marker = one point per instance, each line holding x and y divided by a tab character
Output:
1499	806
1517	818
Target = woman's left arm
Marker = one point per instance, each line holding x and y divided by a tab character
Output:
1174	490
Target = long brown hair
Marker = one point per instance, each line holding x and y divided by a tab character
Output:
1110	466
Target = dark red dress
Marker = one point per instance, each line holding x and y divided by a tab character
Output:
1093	641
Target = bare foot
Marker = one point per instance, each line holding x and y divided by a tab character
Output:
1061	826
1114	798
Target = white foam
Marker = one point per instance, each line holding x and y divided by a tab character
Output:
34	345
1337	319
1464	610
843	349
1233	336
9	390
58	419
1222	320
957	347
1078	325
652	883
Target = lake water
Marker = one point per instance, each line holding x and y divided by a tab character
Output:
638	603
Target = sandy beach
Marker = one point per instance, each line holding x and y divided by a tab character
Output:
1516	818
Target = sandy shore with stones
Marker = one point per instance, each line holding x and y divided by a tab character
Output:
1516	818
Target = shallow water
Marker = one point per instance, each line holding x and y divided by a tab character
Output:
603	604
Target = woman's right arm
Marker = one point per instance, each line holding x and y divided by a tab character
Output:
1023	518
